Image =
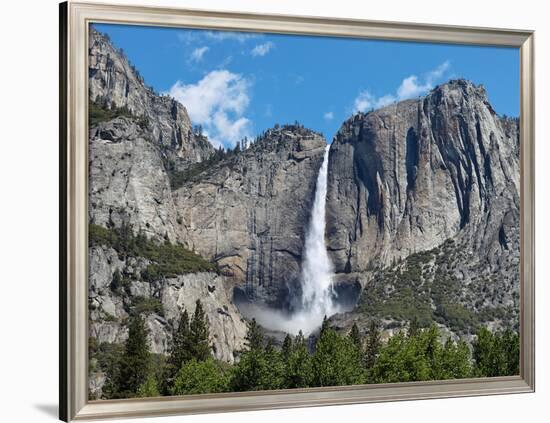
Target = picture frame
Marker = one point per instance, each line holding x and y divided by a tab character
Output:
75	18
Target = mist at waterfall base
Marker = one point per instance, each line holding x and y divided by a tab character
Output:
318	295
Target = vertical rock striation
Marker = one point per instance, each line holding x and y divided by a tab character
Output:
440	175
409	176
249	213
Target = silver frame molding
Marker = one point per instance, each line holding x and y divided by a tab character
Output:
74	21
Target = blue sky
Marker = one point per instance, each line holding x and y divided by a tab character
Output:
239	84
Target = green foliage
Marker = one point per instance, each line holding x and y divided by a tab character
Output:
109	317
168	260
415	355
251	373
299	366
420	357
413	327
355	338
147	305
254	336
105	357
286	349
98	235
190	342
116	282
99	111
336	361
259	368
275	367
201	377
148	388
496	354
199	333
181	350
455	361
425	288
457	316
195	170
406	302
373	345
132	370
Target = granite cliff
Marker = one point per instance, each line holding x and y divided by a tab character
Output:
249	213
437	174
154	175
422	212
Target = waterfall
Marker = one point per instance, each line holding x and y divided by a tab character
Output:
316	278
317	292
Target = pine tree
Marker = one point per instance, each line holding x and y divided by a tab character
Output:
324	326
373	345
355	337
199	334
254	336
336	361
510	346
134	364
454	362
298	371
496	354
181	350
252	370
286	349
275	368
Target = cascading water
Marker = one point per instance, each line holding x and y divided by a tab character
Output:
317	290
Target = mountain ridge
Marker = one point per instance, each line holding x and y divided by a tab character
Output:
403	180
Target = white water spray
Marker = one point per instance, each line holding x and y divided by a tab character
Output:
317	289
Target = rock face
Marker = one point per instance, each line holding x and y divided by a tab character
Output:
128	181
116	83
131	156
151	172
250	213
109	308
408	177
422	211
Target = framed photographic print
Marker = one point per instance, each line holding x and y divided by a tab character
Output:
263	211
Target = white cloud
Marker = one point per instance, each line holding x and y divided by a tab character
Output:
190	36
218	103
226	61
328	116
262	49
438	72
411	86
198	54
366	100
241	37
